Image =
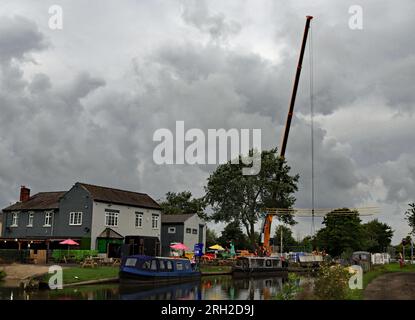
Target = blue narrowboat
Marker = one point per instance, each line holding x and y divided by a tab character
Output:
147	270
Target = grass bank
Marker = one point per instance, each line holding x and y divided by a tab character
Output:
78	274
215	270
377	271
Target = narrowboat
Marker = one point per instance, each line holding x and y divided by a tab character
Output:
252	266
147	270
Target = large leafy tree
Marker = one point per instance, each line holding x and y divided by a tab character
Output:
233	232
287	237
342	232
182	202
377	236
410	217
237	197
211	237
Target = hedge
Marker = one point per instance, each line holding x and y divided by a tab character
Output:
78	255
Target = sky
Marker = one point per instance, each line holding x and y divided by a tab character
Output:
82	103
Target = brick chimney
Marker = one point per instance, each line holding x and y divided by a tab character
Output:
24	194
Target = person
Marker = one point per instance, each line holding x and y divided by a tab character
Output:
401	261
233	253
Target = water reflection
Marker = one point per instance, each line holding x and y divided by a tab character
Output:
208	288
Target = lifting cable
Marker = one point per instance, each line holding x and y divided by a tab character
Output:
311	62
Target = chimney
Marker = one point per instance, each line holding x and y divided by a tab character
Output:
24	194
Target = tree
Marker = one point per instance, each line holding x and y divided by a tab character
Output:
234	233
211	237
307	243
181	203
342	232
237	197
377	236
410	217
287	237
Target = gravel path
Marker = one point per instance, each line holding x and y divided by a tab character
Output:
392	286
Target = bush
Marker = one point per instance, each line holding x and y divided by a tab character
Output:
2	274
332	283
291	288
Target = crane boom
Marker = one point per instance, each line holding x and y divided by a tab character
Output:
268	218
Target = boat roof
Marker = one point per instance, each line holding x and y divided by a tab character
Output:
142	257
256	257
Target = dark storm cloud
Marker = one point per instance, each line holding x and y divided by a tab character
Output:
85	127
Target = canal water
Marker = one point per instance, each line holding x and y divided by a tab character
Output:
208	288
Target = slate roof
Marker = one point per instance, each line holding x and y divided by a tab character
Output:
117	196
39	201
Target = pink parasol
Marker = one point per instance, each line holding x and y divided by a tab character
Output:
179	246
69	242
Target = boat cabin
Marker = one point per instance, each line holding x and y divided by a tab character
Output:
157	264
258	263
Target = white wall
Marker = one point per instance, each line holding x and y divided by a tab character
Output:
191	239
126	221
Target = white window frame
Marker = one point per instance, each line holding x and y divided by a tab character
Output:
48	218
155	218
15	219
75	218
139	218
171	230
115	216
31	216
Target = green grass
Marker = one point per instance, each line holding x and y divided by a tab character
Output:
377	271
210	269
78	274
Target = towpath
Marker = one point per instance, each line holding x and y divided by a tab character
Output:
392	286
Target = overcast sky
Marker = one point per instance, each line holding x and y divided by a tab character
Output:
82	103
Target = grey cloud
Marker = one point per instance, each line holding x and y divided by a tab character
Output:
84	128
196	13
18	37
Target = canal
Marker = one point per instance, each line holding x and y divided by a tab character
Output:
208	288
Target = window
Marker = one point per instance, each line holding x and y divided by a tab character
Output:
111	218
155	221
153	265
179	266
172	230
30	220
15	219
188	230
194	231
138	219
75	218
162	265
169	265
48	219
130	262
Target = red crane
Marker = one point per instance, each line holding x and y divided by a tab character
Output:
266	230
